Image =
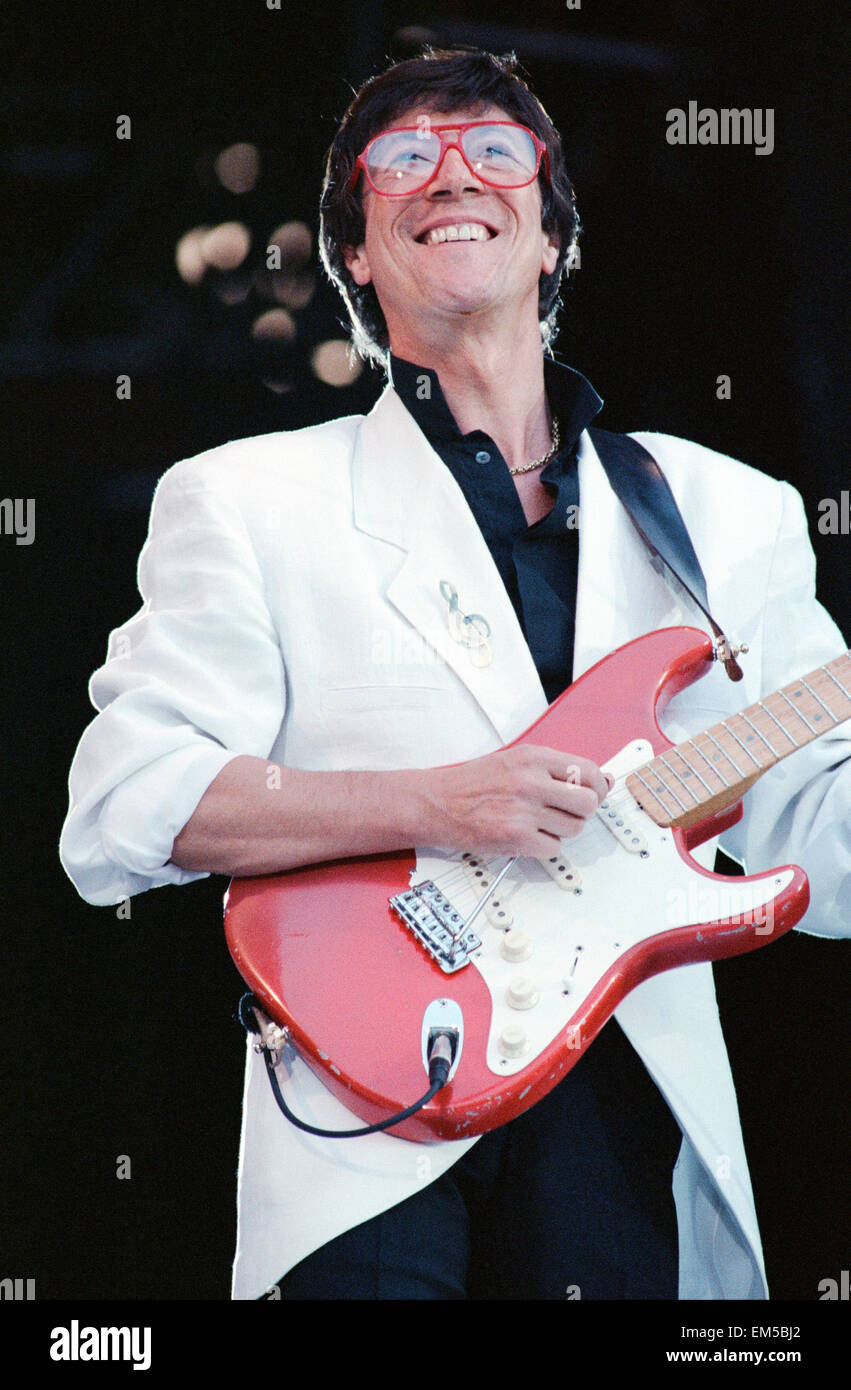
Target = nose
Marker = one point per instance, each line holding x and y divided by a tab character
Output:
453	174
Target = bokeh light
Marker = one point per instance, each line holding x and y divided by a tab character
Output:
295	242
293	290
225	247
332	363
238	167
274	325
189	256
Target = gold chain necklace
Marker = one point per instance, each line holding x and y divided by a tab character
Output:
539	463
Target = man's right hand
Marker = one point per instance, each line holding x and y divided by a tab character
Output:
520	800
259	818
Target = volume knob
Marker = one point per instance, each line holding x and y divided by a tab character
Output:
522	994
516	945
512	1040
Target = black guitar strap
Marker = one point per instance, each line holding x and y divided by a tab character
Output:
641	486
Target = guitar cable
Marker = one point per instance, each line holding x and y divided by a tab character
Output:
440	1058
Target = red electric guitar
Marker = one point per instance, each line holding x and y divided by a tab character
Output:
360	958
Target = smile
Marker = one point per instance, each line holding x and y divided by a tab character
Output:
456	231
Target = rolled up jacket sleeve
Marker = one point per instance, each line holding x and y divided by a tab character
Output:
195	679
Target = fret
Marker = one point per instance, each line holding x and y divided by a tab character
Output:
679	750
718	773
724	725
799	713
802	697
760	704
773	751
663	760
730	760
665	788
817	697
838	682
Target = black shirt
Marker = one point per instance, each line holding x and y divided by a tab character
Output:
538	563
636	1144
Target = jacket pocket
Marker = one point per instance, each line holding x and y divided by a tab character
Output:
371	699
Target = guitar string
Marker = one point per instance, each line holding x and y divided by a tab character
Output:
457	874
619	799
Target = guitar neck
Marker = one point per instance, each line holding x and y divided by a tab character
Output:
702	776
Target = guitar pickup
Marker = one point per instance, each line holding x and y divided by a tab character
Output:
481	878
624	831
426	912
562	872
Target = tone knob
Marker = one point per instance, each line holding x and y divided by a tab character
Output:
522	994
512	1040
516	945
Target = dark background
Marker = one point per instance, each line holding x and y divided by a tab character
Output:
119	1036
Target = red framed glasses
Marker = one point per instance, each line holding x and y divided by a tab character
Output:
404	161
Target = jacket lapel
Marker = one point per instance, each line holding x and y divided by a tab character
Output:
405	495
620	595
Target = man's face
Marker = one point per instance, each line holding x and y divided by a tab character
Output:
421	280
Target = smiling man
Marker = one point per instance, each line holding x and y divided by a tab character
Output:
344	625
455	250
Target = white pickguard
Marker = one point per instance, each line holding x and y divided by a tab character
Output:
627	896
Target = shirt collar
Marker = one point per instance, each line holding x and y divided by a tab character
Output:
571	396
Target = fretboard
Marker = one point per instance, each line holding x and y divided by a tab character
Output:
700	777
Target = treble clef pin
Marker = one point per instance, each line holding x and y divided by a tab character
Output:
470	630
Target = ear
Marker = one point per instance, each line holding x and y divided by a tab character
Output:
357	264
551	247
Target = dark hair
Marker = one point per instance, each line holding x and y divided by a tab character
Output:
439	79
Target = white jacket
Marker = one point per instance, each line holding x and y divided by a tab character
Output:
292	610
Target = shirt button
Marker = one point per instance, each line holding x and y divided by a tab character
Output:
483	456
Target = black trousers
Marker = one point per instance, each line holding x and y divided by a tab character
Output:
571	1200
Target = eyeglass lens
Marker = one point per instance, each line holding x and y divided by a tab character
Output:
401	161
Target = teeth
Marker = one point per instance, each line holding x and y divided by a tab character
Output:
461	231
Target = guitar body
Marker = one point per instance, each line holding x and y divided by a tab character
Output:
329	958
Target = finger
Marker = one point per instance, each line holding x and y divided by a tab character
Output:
549	842
577	804
577	771
582	772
